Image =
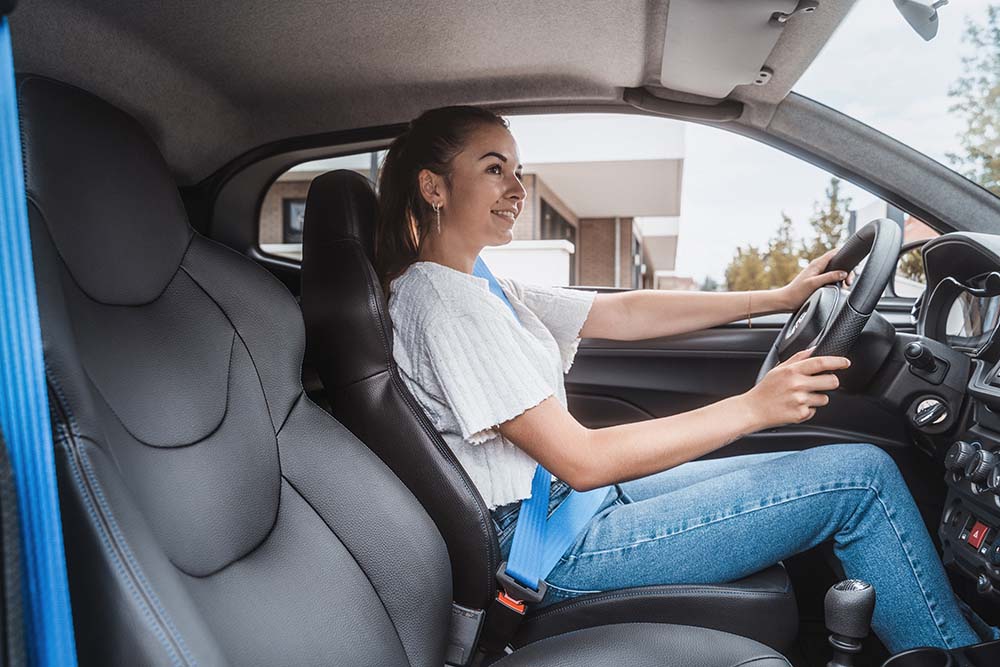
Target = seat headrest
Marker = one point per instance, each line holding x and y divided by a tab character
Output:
341	205
107	197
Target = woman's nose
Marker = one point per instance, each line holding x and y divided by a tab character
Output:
516	189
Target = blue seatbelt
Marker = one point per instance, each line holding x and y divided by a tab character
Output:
24	410
539	540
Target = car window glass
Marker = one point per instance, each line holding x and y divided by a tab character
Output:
283	208
632	201
939	97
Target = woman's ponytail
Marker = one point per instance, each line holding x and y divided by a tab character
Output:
431	142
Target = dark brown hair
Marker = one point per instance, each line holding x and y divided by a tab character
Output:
431	142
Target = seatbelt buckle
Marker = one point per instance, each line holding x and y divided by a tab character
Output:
514	595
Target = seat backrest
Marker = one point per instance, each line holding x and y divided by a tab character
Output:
213	515
349	337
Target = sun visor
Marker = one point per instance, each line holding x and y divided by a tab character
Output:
712	46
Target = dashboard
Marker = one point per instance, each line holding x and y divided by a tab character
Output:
960	314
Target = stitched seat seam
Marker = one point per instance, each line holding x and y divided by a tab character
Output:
392	620
114	542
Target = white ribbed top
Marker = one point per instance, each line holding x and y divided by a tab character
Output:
472	366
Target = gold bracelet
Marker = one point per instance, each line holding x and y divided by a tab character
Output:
749	309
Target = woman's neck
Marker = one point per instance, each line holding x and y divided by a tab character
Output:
437	249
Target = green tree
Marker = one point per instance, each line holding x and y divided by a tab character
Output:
752	268
829	223
911	265
782	259
977	95
747	270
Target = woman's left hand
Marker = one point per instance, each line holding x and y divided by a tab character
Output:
810	279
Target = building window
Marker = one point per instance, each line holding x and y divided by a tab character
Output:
294	216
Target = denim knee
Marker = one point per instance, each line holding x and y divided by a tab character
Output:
870	460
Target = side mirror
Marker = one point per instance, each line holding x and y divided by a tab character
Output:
910	280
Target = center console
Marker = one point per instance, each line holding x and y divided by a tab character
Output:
970	523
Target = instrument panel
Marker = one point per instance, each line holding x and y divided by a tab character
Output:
962	304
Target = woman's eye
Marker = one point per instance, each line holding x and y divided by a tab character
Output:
495	169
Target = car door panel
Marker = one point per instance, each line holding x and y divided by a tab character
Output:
615	382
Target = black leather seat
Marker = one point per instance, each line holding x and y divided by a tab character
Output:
212	514
349	342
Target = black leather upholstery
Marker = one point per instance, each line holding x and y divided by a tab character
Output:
349	337
212	514
350	344
761	607
641	644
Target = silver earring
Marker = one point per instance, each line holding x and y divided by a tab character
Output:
437	213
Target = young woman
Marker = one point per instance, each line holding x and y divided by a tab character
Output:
491	381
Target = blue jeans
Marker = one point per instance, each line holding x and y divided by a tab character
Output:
723	519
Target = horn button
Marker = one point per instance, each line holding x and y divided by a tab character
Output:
809	321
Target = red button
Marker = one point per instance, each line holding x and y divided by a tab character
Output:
977	535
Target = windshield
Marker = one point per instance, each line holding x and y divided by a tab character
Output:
941	97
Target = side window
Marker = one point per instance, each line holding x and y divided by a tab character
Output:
634	201
282	212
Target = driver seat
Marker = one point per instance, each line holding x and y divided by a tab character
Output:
349	343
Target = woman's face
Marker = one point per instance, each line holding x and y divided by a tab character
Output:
486	195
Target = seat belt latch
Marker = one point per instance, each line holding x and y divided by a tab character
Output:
515	596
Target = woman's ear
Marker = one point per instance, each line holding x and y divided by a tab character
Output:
432	187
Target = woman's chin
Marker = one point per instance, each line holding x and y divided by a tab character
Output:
503	238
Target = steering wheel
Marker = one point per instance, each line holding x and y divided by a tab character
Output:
832	319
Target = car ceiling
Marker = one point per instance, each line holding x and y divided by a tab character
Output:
214	80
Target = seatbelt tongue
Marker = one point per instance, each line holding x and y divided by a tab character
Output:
515	595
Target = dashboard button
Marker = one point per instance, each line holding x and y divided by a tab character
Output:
978	534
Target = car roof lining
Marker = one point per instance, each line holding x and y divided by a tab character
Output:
192	72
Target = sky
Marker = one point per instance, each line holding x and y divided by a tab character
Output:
875	68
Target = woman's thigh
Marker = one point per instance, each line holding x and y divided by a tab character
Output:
690	473
723	526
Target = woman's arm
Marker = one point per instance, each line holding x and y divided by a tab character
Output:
591	458
642	314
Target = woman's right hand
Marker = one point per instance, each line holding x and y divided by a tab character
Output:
790	392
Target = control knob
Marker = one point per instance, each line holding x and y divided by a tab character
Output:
993	481
980	466
959	454
920	357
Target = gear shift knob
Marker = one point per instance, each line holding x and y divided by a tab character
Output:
848	609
